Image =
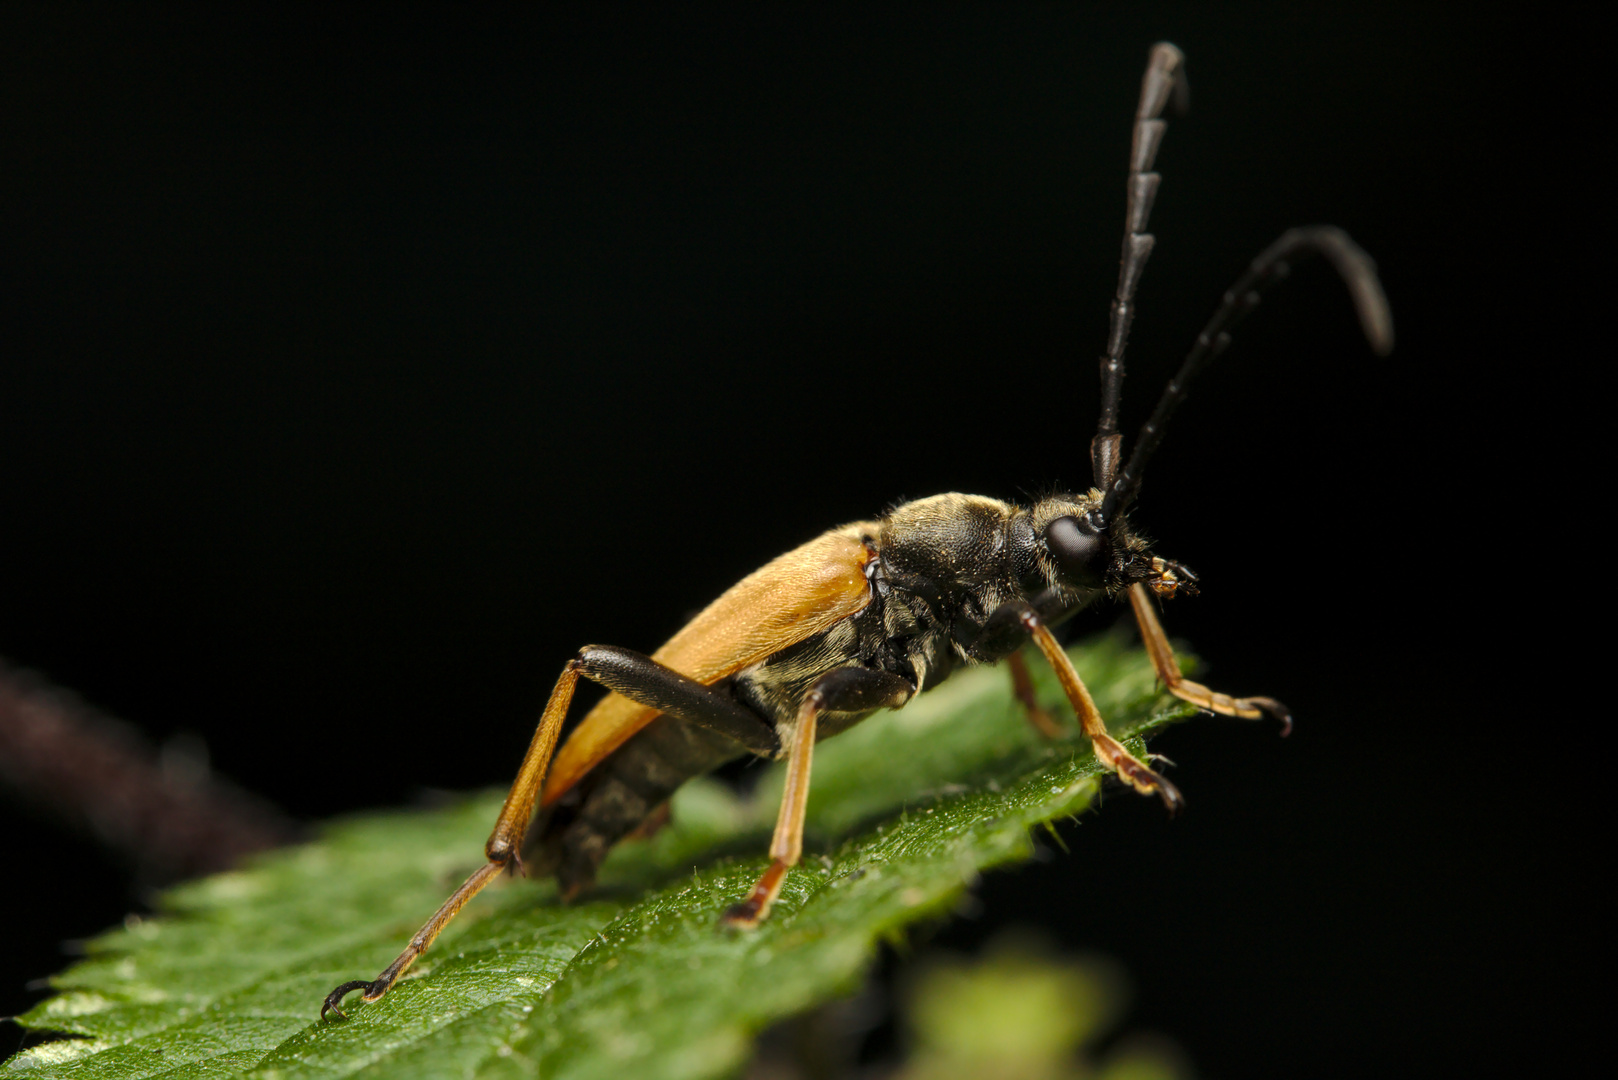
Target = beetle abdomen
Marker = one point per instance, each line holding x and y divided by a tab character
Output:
572	838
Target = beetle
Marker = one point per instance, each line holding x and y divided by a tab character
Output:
868	615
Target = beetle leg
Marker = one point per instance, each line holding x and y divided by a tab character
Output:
644	680
1022	684
850	689
501	849
637	677
1109	751
1168	669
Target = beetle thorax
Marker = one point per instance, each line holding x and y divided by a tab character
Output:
951	561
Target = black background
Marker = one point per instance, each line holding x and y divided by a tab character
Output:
356	368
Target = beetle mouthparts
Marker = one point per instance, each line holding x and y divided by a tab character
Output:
1169	578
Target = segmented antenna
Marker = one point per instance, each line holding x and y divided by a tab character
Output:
1274	264
1162	82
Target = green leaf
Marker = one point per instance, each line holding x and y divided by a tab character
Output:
1023	1011
906	810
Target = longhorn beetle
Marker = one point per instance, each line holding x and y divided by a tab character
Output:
868	615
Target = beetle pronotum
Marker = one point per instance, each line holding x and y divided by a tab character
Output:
866	616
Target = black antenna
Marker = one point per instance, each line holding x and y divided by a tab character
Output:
1272	265
1162	82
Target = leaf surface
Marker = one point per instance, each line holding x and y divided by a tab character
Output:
906	810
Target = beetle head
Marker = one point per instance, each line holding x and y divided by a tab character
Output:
1084	553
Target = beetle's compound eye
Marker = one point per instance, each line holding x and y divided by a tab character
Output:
1079	550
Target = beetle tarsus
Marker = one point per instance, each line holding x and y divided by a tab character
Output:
1275	709
1144	779
334	1000
741	916
1149	781
1172	799
752	911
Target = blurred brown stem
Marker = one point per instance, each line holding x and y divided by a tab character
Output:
161	810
